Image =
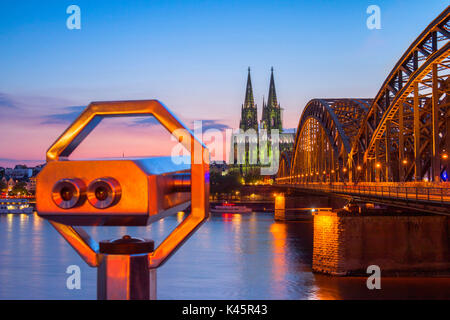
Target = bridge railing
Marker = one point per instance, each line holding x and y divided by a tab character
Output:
409	193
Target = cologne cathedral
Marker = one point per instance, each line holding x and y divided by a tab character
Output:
255	136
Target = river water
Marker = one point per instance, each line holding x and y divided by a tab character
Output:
229	257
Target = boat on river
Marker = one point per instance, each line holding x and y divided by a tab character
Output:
230	208
16	206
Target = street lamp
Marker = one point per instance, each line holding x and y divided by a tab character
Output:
405	162
445	156
378	165
359	168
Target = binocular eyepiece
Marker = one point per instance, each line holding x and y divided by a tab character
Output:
101	193
112	192
104	192
69	193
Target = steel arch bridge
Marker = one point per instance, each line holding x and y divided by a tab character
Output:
399	138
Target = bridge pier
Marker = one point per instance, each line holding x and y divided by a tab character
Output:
300	207
346	243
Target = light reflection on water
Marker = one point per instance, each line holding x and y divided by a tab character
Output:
229	257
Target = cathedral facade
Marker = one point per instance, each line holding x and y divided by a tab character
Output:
256	144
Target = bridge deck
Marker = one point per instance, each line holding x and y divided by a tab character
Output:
429	199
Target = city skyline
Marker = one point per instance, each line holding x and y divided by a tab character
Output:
204	150
192	57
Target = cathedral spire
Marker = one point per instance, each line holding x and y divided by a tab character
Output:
249	101
271	115
272	99
249	114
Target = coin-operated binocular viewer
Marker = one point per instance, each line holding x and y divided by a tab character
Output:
124	192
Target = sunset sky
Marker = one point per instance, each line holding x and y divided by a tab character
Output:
191	55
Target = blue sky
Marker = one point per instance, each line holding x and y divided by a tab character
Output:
193	55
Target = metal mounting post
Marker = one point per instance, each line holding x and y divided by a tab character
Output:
124	273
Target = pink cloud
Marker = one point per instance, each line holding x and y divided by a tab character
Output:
29	125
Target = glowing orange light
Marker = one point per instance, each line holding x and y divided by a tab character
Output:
345	170
405	161
445	156
359	168
378	165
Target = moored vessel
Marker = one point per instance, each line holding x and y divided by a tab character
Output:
16	206
230	208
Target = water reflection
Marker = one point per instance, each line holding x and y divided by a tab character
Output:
278	231
230	257
180	216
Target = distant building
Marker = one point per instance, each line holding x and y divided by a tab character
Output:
218	167
247	143
10	184
38	169
19	172
31	185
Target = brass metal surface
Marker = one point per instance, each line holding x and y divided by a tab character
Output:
139	198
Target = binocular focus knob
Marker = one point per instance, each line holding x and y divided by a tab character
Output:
104	192
127	245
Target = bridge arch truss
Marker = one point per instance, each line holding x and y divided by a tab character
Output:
323	139
402	135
